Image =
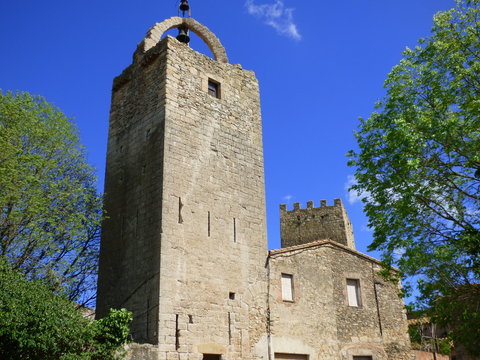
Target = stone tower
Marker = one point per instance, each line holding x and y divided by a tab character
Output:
301	226
184	244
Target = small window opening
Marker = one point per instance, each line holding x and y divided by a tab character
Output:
212	357
231	296
234	230
190	319
177	333
362	358
229	328
180	206
214	88
287	287
353	292
208	226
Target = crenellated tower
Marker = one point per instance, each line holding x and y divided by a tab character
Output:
301	226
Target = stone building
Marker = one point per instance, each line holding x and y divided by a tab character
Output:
184	246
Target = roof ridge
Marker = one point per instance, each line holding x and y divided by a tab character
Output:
320	243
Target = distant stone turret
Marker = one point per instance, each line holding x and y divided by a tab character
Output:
301	226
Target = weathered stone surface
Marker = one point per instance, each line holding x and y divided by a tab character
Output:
319	320
184	245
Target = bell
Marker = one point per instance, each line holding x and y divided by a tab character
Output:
183	35
184	5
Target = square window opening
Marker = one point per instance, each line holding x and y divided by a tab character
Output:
231	296
214	88
353	293
362	358
287	287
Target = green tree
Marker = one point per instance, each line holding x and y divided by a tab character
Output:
49	207
37	324
418	169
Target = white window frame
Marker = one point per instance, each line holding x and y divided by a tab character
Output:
288	294
354	298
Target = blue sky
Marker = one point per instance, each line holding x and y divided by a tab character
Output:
320	64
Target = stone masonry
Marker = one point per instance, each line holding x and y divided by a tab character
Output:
301	226
184	244
319	322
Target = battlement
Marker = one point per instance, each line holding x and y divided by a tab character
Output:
310	205
304	225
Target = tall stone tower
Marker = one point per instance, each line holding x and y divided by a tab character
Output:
184	244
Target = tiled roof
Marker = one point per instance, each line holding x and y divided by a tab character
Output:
319	243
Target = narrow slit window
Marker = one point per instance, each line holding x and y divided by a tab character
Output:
180	206
234	230
208	226
229	328
287	287
214	88
177	333
353	292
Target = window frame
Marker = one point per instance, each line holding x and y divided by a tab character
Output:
292	287
358	292
217	91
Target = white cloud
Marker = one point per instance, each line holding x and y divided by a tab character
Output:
352	195
275	15
288	198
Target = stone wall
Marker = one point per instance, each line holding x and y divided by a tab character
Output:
301	226
212	275
131	234
184	246
319	322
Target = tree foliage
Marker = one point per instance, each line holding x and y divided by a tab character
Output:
418	164
49	208
36	324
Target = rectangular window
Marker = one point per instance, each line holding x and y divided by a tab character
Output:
279	356
353	292
212	357
362	358
214	88
287	287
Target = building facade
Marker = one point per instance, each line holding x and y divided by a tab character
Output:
184	245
